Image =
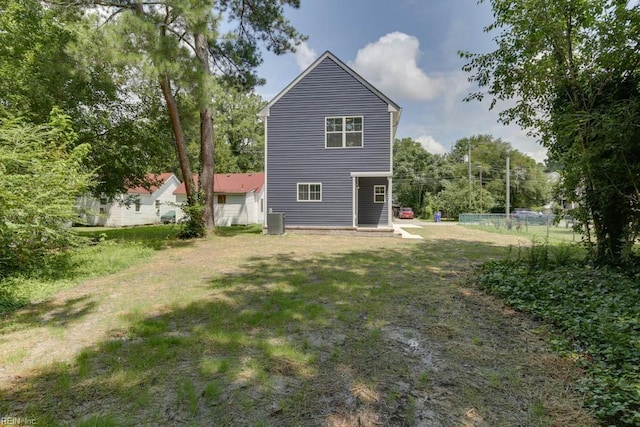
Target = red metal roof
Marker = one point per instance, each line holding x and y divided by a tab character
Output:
231	183
157	180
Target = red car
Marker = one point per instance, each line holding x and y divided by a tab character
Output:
405	213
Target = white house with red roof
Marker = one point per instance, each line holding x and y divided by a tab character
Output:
138	206
238	198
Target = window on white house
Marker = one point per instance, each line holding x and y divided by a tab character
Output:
309	192
104	200
222	199
137	203
341	132
379	193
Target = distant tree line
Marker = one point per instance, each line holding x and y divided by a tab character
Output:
428	182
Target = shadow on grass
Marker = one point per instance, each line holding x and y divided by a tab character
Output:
105	252
157	237
287	340
49	313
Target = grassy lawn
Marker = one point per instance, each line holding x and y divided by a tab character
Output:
538	233
118	249
248	329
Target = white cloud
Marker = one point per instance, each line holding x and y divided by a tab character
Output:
391	64
539	155
305	55
431	145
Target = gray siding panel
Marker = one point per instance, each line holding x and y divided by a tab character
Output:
296	145
370	212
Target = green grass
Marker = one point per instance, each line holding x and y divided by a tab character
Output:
113	250
539	233
153	236
247	329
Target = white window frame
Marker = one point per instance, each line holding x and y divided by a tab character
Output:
376	193
344	131
308	185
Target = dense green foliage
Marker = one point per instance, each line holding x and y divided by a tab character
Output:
238	134
429	182
416	176
115	250
41	174
49	57
597	313
529	187
571	70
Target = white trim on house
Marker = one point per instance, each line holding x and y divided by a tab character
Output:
391	140
343	132
393	127
354	200
266	169
392	106
308	184
376	193
390	199
371	174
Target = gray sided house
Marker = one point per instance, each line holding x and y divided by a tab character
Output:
329	146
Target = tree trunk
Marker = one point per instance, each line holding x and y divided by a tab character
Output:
176	124
181	145
206	159
206	134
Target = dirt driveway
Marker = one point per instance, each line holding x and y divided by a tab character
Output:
289	330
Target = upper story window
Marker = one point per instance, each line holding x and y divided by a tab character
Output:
341	132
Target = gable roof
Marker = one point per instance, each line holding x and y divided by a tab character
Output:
233	183
156	181
393	107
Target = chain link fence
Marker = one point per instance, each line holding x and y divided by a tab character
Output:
540	225
515	220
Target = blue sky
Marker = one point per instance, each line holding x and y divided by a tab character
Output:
408	50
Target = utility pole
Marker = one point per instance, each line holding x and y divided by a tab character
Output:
481	210
470	186
508	208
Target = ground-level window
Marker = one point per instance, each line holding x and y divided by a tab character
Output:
222	199
341	132
379	193
309	192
